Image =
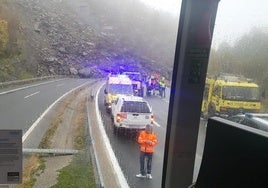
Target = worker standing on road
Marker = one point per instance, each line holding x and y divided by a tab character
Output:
162	84
147	140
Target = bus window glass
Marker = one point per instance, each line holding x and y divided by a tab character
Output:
53	48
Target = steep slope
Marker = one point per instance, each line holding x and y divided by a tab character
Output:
63	37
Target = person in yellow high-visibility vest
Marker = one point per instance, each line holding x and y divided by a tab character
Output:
162	85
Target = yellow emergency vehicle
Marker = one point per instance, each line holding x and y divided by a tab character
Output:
207	96
228	95
116	85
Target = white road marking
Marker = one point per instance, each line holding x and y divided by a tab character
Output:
46	111
121	178
26	87
155	123
31	94
60	85
166	100
199	157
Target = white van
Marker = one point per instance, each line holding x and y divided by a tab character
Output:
116	85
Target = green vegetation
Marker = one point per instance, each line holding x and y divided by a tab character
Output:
78	174
80	171
46	141
5	67
33	168
12	69
25	75
247	56
4	35
37	163
36	172
12	63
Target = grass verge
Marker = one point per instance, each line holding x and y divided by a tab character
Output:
79	173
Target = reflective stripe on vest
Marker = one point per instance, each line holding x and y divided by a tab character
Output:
147	149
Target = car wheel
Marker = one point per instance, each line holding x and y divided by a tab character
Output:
115	130
108	110
141	92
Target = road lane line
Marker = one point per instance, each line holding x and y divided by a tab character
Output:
26	87
155	123
31	95
166	100
121	178
24	137
58	85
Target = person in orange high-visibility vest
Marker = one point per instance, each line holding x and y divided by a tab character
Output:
147	140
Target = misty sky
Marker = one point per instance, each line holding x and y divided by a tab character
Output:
171	6
234	17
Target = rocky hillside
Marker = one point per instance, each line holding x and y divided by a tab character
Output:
79	37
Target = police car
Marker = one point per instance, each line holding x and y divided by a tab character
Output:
131	112
254	120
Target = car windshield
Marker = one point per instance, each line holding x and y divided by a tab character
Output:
134	76
135	107
121	89
241	93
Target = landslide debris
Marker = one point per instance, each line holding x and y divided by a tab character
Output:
85	38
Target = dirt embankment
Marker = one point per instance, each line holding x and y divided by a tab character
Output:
70	120
66	131
48	39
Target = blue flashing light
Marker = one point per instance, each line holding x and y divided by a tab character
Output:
122	76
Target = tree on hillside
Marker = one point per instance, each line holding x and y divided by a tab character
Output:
3	35
221	60
251	50
248	56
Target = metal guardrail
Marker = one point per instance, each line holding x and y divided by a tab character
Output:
50	151
91	146
29	80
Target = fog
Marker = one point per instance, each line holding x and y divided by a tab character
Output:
237	18
141	30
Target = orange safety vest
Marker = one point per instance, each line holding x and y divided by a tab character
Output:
144	138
